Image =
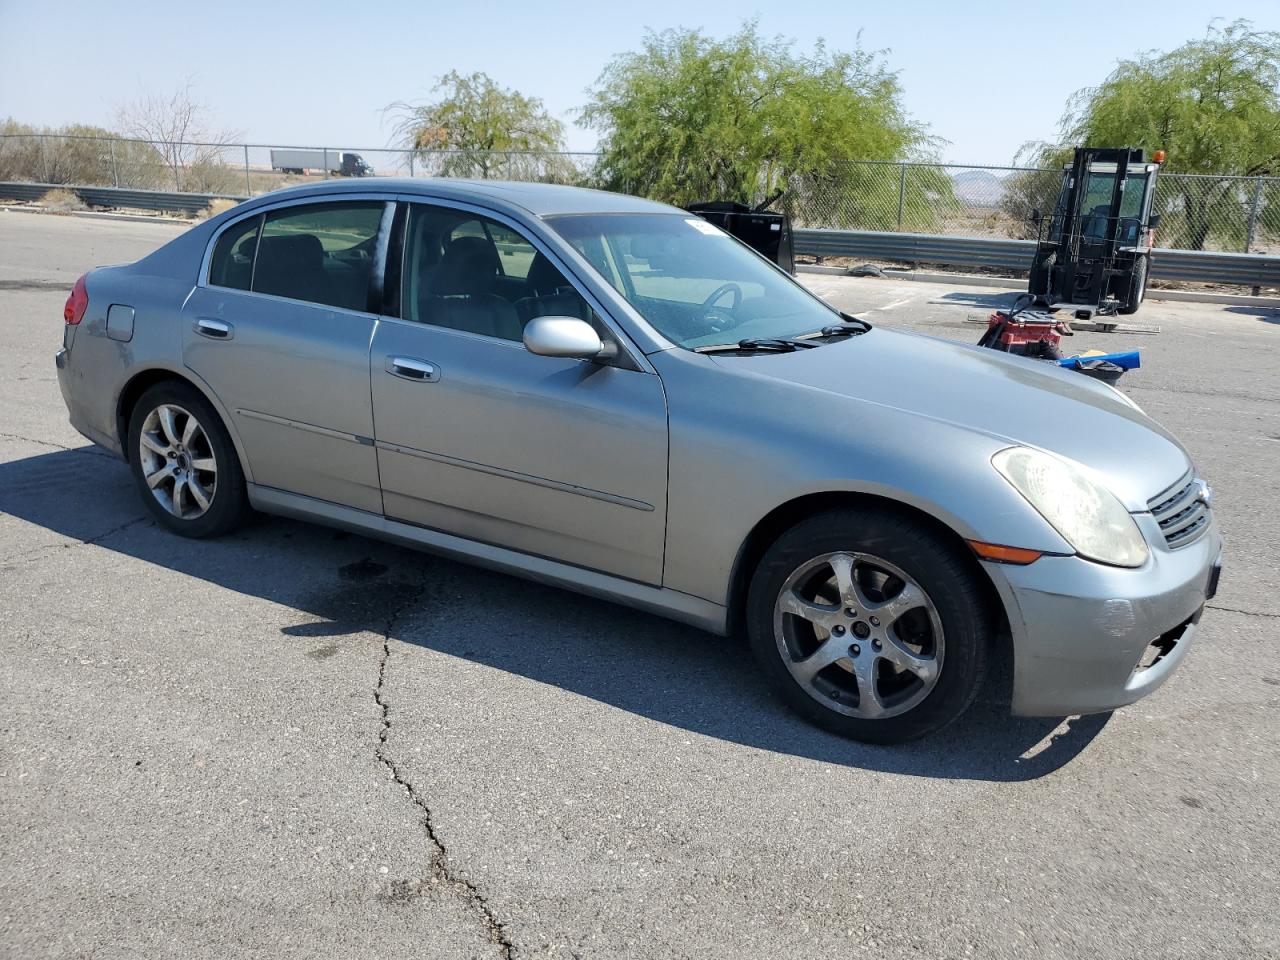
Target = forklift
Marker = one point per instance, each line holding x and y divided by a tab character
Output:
1093	254
1091	260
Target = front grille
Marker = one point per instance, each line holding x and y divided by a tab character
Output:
1181	511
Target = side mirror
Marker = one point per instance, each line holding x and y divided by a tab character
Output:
1154	221
564	337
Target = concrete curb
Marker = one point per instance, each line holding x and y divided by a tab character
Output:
1009	283
96	215
1229	299
961	279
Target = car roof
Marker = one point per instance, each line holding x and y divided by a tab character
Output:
539	199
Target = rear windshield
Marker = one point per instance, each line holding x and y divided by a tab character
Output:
692	282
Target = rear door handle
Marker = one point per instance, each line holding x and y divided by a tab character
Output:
213	328
411	368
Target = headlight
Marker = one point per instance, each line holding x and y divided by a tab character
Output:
1088	516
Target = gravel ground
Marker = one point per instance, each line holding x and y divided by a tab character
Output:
304	743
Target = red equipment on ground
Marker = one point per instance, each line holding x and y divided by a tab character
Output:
1028	333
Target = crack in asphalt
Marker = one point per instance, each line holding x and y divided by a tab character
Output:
28	284
438	869
90	451
1247	613
89	541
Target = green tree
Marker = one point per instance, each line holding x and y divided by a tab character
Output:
1033	188
689	117
476	128
1213	105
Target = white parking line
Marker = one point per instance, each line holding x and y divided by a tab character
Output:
895	303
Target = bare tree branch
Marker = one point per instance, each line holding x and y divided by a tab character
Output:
179	127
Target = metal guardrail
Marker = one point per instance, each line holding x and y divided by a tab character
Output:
1198	211
1245	269
117	197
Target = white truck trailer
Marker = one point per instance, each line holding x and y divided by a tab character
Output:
342	162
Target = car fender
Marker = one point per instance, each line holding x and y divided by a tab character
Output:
107	367
741	448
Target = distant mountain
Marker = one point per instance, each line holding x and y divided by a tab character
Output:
978	188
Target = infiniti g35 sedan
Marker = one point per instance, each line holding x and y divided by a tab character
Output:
609	395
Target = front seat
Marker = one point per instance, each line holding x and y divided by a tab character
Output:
1095	222
460	295
548	294
469	265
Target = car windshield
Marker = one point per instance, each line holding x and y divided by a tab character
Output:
694	283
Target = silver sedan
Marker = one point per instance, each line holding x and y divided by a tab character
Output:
610	395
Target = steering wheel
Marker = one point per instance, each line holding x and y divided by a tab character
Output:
718	320
720	291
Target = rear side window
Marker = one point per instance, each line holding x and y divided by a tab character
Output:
232	261
322	253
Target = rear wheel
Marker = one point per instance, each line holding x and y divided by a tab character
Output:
184	463
870	624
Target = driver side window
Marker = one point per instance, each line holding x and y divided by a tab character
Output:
467	272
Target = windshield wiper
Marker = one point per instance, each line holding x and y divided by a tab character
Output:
774	344
849	318
849	326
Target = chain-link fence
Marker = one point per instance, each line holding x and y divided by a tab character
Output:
239	169
1197	212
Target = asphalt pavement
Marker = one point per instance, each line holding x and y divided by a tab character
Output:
296	742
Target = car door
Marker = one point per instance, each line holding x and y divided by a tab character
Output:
280	329
562	458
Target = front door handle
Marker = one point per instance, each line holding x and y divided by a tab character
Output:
411	368
213	328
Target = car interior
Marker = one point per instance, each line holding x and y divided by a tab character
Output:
288	264
469	273
321	254
460	271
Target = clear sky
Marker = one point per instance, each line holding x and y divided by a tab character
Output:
984	76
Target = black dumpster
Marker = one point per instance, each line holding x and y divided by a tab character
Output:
765	232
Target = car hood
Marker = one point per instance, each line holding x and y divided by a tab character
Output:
1015	399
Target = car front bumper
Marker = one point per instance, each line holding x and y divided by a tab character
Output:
1088	638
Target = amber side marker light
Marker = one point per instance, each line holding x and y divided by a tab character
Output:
1001	554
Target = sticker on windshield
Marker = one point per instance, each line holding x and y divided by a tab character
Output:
703	227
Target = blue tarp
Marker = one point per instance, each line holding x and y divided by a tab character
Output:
1129	360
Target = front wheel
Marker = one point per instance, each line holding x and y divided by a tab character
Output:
870	624
184	463
1137	287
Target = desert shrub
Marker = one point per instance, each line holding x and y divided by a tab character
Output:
208	174
217	206
75	154
62	200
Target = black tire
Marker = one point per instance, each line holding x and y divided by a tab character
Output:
1137	288
228	504
1041	277
937	564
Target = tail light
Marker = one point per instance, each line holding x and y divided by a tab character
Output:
77	303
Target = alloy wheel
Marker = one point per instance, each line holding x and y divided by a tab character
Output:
178	461
859	635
